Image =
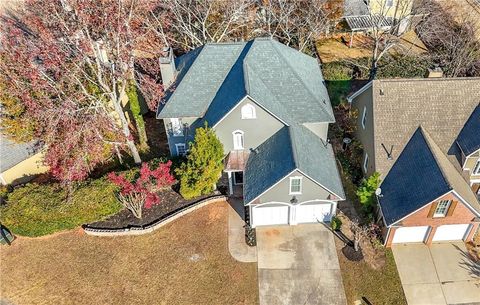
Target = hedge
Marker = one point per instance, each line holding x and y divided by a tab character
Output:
36	210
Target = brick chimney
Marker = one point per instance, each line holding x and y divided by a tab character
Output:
167	67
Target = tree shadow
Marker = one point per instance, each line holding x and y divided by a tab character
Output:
470	264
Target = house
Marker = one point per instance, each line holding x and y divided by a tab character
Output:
269	107
423	137
365	15
19	162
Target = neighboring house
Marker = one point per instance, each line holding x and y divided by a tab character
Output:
269	107
423	137
363	15
19	163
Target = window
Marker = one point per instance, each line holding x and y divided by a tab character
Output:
238	139
442	208
365	163
364	117
181	149
238	178
177	128
476	169
389	3
295	185
248	112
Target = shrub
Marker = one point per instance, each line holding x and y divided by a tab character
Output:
366	192
336	71
204	165
335	223
36	210
142	191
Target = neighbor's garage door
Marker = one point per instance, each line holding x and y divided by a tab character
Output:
410	234
270	215
313	212
451	232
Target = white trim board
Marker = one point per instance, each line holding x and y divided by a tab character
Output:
359	91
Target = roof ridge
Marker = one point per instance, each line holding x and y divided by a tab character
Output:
430	144
275	46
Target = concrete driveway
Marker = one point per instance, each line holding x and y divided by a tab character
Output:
440	274
298	265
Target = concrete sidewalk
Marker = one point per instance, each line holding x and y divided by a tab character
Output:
236	233
437	275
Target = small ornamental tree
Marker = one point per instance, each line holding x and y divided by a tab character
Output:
204	165
135	195
366	191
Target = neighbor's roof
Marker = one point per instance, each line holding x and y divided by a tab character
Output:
12	153
469	137
421	174
441	105
294	147
355	8
286	82
358	23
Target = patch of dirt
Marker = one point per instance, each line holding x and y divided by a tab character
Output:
169	204
351	254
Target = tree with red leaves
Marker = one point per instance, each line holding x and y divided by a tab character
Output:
67	63
135	195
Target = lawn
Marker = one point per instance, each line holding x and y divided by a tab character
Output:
380	286
186	262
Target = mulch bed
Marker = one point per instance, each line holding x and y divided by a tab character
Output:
170	203
351	254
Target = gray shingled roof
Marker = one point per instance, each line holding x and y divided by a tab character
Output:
469	137
355	8
284	81
294	147
440	105
421	174
12	153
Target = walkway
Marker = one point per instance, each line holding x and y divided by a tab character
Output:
236	233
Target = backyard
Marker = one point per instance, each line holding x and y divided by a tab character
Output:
186	262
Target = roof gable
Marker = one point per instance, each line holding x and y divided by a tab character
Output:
413	181
469	137
12	153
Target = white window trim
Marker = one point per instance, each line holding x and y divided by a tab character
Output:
365	162
177	130
243	139
441	215
364	117
290	185
476	168
181	145
249	108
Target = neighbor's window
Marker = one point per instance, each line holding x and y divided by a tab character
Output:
389	3
476	169
248	111
295	185
181	149
442	208
364	117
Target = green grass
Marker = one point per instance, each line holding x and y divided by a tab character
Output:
36	210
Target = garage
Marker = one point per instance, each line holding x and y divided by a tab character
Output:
313	212
410	234
451	232
270	215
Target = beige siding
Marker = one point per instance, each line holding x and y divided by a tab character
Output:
470	164
365	136
400	8
320	129
280	192
25	170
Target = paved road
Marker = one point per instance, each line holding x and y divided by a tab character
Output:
437	275
298	265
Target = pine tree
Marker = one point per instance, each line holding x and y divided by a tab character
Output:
204	165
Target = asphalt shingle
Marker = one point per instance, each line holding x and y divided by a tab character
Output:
469	137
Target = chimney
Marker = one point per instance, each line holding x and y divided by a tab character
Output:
436	72
167	67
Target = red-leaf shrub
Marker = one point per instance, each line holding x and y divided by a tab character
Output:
135	195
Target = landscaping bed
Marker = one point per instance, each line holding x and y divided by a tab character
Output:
171	202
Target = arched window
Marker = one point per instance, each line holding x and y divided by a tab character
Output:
237	139
248	111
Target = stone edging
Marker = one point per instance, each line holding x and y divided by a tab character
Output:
140	230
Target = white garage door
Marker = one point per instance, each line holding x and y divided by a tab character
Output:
410	234
313	212
270	215
451	232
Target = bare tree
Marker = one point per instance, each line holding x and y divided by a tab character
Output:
295	23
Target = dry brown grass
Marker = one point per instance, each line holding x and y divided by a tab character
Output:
186	262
